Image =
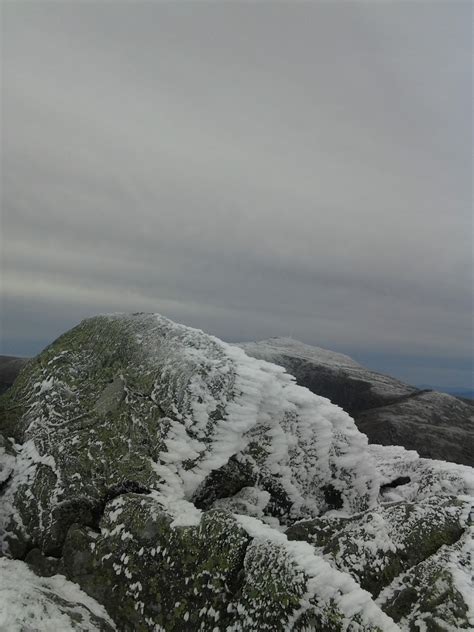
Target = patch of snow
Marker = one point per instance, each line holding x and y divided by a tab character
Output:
428	477
26	463
44	604
7	465
267	349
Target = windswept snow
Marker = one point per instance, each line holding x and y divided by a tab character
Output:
427	476
219	400
45	604
325	583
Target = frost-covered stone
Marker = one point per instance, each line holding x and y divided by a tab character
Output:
129	403
150	573
378	545
229	573
438	593
167	473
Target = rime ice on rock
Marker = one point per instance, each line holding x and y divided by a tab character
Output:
161	467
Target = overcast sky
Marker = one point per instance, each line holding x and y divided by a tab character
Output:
251	169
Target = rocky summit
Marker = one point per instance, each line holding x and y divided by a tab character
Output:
154	478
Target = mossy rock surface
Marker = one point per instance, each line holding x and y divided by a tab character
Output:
437	594
151	573
211	576
378	545
129	402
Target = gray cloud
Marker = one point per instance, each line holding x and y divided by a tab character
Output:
250	169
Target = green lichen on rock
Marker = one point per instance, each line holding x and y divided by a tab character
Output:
273	591
378	545
211	576
86	408
435	594
150	572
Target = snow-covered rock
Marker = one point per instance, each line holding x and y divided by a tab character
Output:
46	604
138	403
168	473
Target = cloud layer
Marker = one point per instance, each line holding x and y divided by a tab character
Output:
250	169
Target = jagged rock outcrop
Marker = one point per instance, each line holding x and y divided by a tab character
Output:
183	485
389	412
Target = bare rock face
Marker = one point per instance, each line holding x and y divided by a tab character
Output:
388	411
10	367
185	486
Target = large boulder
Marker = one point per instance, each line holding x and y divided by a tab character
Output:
378	545
134	403
180	483
389	412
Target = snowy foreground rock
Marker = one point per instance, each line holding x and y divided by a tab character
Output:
180	485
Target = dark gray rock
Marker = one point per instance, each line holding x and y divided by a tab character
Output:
10	367
41	564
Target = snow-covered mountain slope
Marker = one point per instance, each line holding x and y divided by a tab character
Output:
437	425
165	472
362	387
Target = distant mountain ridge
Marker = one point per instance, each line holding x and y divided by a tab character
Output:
390	412
464	393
